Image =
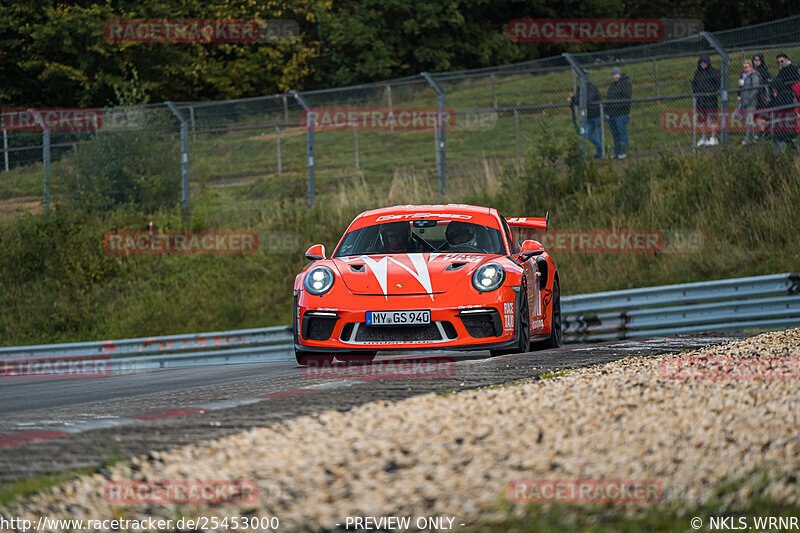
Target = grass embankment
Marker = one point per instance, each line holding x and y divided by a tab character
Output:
57	283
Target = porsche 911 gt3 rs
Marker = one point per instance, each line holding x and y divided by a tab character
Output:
427	277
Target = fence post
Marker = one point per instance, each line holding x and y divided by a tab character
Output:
5	147
602	132
442	133
655	75
694	123
355	144
278	147
723	84
45	158
389	101
310	184
494	92
582	78
516	132
285	109
184	155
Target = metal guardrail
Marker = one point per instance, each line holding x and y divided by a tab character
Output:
220	347
758	302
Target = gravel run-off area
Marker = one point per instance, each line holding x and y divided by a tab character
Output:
455	455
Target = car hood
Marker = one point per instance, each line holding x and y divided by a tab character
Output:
406	274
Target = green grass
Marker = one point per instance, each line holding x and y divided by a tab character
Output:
556	374
12	492
634	518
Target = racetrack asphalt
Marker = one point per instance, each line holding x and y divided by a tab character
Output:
89	421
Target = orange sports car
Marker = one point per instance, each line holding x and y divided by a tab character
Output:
427	277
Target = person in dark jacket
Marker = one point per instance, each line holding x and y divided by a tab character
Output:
783	95
764	76
765	79
618	111
705	86
593	122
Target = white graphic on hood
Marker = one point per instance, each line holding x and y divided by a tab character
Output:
380	270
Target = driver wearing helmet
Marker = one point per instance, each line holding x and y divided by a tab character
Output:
396	237
461	236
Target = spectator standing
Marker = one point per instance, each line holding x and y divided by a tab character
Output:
593	121
796	89
763	95
618	111
783	95
706	81
748	99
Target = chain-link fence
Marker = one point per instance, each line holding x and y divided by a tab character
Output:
443	132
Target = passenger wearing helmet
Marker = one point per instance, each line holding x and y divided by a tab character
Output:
396	237
461	237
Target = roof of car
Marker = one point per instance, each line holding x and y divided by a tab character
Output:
434	209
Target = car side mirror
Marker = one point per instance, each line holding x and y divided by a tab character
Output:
316	252
530	249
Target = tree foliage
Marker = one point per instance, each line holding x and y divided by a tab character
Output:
54	54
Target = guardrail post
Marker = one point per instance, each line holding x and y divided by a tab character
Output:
45	158
441	141
310	185
582	77
723	84
184	155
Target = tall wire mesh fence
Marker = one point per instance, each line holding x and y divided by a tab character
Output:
445	131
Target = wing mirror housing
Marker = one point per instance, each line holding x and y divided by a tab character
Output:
530	249
316	252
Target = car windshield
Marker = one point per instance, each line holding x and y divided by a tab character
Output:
422	236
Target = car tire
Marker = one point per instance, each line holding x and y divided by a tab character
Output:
523	318
362	358
556	328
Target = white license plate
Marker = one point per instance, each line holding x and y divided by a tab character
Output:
398	318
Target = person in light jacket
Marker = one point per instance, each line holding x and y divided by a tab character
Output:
750	86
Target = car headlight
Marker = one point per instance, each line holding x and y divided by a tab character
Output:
319	280
488	277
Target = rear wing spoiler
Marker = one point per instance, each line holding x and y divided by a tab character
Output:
530	222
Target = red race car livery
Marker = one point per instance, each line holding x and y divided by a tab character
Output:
427	277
